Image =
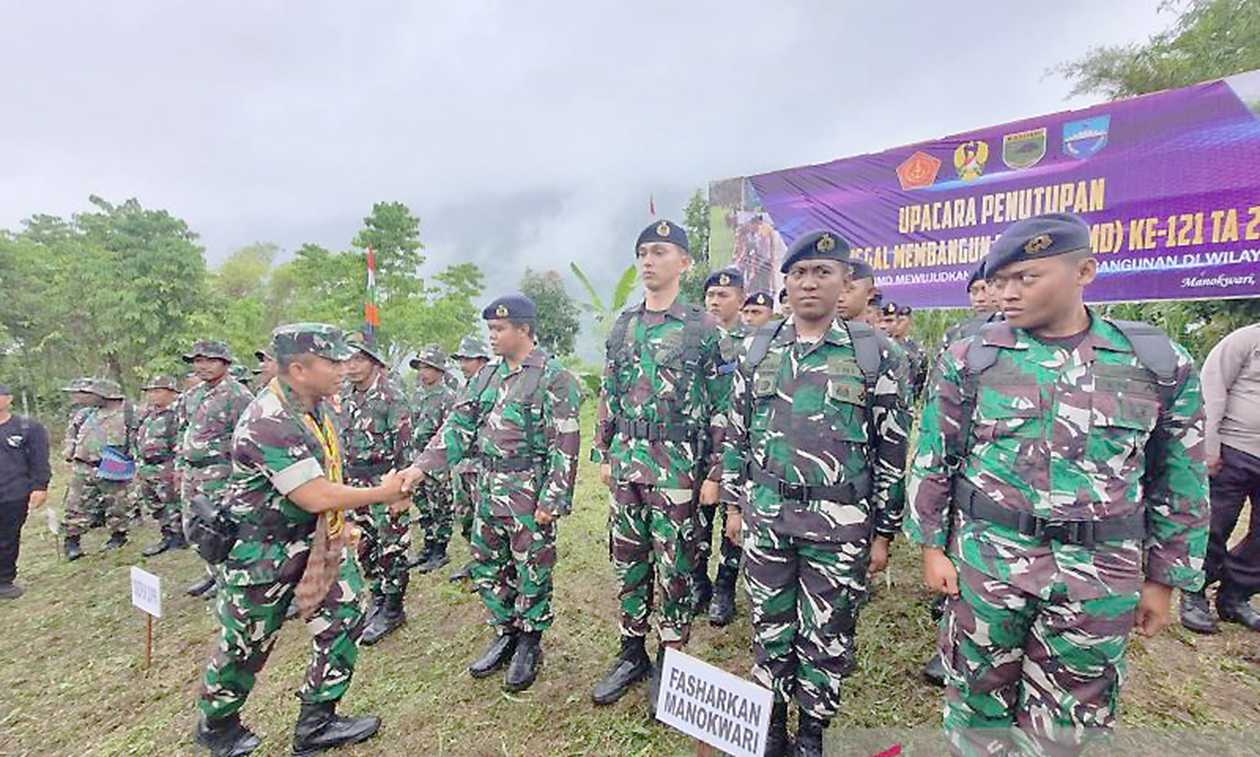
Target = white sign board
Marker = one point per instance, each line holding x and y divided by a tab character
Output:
707	703
146	591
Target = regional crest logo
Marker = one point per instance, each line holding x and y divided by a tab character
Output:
969	159
1083	138
1024	149
918	171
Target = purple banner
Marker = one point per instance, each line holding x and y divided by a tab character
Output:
1169	183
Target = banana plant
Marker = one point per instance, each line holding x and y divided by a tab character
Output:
603	312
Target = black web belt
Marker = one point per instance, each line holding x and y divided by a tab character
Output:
977	505
847	493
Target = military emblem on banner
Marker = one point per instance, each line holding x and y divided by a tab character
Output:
918	171
969	159
1024	149
1084	138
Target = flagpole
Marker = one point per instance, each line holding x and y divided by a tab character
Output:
371	315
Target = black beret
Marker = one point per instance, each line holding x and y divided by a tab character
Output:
976	275
515	307
727	277
783	295
817	245
1043	236
663	231
4	390
877	299
759	298
861	270
889	308
905	310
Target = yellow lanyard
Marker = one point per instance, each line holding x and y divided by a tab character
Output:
326	434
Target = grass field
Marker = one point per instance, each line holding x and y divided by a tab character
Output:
72	677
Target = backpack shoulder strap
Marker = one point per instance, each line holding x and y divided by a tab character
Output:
866	350
979	358
760	346
1154	350
617	337
693	335
129	426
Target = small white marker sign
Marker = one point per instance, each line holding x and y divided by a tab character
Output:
146	591
709	704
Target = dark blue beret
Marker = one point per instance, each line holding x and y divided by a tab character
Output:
905	310
727	277
1043	236
877	299
976	275
817	245
514	307
759	298
889	308
663	231
4	389
783	295
861	270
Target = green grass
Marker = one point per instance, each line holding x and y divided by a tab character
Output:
73	680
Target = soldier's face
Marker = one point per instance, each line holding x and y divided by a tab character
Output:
507	338
159	397
429	375
661	264
209	368
978	293
814	287
471	365
756	316
1037	293
723	303
266	370
80	398
856	295
903	325
316	376
888	323
359	368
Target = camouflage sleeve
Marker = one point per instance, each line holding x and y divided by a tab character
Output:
892	423
928	487
735	444
717	392
399	419
605	412
563	435
1176	487
275	447
453	440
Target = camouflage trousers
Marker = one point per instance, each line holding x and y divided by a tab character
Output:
433	509
89	499
1030	675
804	598
651	540
383	546
463	496
513	560
730	554
155	492
249	617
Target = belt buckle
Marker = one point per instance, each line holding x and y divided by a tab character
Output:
792	491
1058	530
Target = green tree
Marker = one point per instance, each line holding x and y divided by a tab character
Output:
605	311
557	312
393	233
696	221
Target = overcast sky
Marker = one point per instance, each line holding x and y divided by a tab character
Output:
521	133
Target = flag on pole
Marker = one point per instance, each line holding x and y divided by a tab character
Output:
371	316
651	204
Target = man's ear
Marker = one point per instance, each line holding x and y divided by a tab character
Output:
1087	271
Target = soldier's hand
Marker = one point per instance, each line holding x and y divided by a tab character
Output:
543	517
879	556
1153	609
709	491
409	477
400	506
734	525
392	485
939	573
37	499
1213	464
605	474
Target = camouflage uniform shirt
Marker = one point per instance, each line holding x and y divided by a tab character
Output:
155	441
375	427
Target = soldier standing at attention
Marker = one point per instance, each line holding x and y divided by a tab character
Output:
662	415
1059	494
433	401
982	309
98	478
205	449
813	472
520	415
265	371
723	297
375	423
757	311
473	355
287	502
155	447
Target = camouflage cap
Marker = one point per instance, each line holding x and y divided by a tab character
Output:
105	388
80	384
263	356
210	348
365	344
161	381
310	338
472	346
238	372
432	356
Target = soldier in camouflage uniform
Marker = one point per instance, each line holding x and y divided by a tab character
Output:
723	297
433	400
896	324
204	458
473	355
813	470
1077	500
757	311
520	416
286	501
265	371
662	414
376	438
155	470
93	487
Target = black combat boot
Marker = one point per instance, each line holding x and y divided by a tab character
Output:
654	683
498	653
116	540
1195	613
73	552
437	558
424	555
525	661
319	727
153	550
934	670
1235	607
777	741
630	667
226	737
809	736
378	604
200	588
722	608
462	573
701	590
177	539
389	617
